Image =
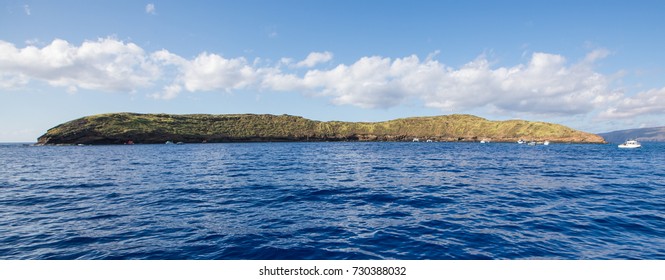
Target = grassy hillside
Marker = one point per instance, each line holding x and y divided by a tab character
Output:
117	128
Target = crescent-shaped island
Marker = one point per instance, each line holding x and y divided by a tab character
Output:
122	128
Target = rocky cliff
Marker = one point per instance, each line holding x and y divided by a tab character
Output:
119	128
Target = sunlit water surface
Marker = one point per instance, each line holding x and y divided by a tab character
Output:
332	201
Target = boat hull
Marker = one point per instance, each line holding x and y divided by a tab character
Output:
629	146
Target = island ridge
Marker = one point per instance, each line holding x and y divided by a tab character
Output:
121	128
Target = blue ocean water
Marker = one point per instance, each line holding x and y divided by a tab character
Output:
332	201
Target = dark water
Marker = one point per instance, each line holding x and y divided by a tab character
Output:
332	201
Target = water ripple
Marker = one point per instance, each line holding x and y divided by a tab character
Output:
332	201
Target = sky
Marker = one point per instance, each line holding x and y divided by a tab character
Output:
595	66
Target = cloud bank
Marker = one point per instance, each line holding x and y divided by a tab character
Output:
650	102
105	64
546	84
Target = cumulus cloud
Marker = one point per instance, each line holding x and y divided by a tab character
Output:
544	84
315	58
370	82
206	72
211	71
150	9
547	85
106	64
650	102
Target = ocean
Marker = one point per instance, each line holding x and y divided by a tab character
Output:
341	200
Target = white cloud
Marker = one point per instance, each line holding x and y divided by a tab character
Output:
315	58
650	102
106	64
150	9
26	9
211	71
369	83
34	42
169	92
206	72
13	81
595	55
546	84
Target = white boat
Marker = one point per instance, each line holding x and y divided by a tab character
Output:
630	144
416	140
546	143
520	141
169	142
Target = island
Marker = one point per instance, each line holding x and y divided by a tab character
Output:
648	134
124	128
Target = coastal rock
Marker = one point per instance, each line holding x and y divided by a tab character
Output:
120	128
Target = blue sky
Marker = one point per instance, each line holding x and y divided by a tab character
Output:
592	65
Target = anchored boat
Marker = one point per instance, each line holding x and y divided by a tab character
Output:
630	144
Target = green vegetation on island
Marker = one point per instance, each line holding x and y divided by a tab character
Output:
119	128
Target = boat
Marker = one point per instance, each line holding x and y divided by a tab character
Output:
546	143
416	140
630	144
169	142
521	141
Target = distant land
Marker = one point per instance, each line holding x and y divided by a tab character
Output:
119	128
651	134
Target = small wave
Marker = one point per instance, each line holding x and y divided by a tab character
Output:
81	186
332	201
